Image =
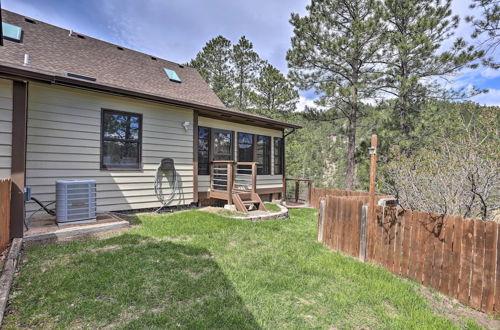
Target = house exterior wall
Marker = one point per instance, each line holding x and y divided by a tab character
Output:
64	143
263	181
5	128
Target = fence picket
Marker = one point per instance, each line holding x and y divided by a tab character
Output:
490	257
398	249
437	264
497	274
428	225
446	256
406	242
456	256
466	261
476	289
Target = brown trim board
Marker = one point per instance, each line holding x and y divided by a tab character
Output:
18	166
195	156
16	72
261	191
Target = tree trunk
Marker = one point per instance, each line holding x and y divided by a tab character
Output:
351	148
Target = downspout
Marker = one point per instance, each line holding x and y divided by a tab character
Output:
283	191
293	130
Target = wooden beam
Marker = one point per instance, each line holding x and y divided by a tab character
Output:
371	193
195	156
18	167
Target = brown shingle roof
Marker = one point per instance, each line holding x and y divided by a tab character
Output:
53	49
54	52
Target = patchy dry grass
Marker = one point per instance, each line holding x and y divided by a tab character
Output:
202	271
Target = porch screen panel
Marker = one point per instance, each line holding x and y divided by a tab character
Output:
279	154
203	150
245	147
223	144
263	155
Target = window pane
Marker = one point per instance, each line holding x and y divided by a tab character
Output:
245	147
263	155
120	126
120	154
203	151
278	155
222	145
121	134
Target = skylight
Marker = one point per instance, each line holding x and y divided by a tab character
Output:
11	32
172	75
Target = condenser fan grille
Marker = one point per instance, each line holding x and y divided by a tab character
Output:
76	200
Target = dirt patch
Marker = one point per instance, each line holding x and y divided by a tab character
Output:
207	256
390	309
302	301
106	248
454	310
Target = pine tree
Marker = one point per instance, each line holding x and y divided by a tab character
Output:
416	30
488	26
213	62
246	64
335	49
274	95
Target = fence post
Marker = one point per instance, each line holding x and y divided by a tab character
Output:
297	189
363	230
321	216
371	215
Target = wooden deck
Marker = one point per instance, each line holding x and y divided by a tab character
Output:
236	183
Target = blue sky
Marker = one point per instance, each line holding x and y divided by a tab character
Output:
177	29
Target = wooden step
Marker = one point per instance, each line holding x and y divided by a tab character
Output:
251	202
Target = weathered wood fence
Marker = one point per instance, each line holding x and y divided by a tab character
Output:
5	185
458	257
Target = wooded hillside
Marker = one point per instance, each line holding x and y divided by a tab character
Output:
378	67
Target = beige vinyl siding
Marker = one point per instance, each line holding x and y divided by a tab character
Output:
5	128
263	181
64	143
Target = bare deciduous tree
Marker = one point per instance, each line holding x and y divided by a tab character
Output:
461	176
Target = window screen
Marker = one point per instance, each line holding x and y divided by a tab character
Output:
203	150
121	140
223	144
245	147
263	155
278	155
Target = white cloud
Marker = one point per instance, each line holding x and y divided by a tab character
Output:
490	98
303	102
490	73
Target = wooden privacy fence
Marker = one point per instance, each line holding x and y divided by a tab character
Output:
4	213
458	257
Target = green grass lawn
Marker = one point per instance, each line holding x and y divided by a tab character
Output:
199	270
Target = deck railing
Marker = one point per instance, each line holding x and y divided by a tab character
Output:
227	177
298	190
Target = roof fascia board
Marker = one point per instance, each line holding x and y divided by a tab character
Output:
23	74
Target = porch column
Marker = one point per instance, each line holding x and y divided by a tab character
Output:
18	167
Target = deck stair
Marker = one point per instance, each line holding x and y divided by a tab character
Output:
244	203
236	183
